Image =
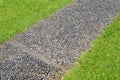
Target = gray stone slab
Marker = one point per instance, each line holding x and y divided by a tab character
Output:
18	65
70	30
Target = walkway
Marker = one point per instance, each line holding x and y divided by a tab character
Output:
47	49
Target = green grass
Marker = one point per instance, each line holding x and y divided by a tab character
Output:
102	60
18	15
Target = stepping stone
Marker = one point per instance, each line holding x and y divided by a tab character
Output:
62	37
19	65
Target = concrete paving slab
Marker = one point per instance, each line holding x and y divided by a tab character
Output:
18	65
70	30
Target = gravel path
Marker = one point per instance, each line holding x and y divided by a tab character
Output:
47	49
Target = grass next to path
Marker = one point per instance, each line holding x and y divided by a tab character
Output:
102	60
17	15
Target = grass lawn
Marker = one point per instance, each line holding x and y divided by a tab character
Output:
17	15
102	60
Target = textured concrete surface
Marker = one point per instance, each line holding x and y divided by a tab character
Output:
60	39
70	31
19	65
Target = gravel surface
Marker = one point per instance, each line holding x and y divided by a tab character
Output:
18	65
60	38
70	30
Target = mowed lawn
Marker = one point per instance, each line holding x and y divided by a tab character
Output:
102	60
18	15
